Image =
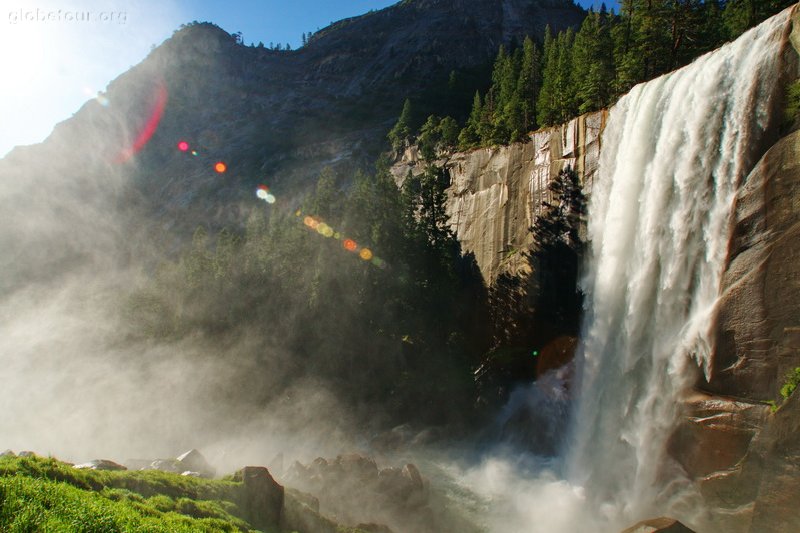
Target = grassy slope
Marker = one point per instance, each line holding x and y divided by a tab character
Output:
38	494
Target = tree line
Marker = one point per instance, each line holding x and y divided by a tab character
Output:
538	85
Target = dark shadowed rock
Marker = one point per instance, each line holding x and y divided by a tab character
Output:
658	525
100	464
297	516
261	498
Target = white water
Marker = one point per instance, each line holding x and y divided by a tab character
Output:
674	152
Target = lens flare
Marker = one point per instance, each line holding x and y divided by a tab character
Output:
220	167
324	229
183	146
158	104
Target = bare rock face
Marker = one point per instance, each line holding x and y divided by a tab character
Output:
744	459
496	193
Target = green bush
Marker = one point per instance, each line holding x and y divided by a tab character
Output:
792	380
792	101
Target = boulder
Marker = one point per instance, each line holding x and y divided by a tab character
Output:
100	464
261	498
8	453
658	525
194	461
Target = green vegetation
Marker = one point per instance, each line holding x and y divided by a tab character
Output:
389	335
791	381
789	386
792	102
38	494
571	73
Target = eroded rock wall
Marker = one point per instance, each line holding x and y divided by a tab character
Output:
496	193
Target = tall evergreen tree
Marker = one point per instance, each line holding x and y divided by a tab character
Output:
400	135
593	66
529	83
547	102
470	135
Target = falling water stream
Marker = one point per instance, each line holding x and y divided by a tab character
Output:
674	153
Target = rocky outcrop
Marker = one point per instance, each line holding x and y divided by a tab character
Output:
496	193
745	459
261	497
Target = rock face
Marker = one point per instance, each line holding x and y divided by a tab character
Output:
284	114
744	458
496	193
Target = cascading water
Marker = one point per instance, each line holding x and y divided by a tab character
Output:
674	152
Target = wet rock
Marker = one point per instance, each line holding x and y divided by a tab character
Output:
194	461
352	490
261	498
658	525
297	516
100	464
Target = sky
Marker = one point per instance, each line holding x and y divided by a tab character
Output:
57	54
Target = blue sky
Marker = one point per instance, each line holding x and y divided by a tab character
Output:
56	54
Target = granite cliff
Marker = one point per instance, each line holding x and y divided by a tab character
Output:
741	455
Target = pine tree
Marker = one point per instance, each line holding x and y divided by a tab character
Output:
529	84
547	103
592	63
449	132
429	138
470	136
400	135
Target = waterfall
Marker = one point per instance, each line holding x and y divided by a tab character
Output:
674	152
